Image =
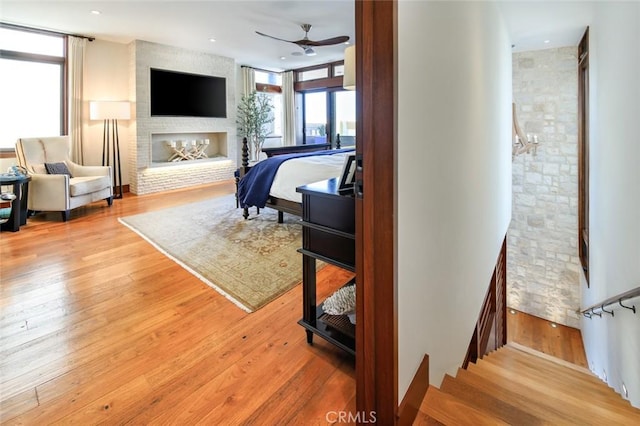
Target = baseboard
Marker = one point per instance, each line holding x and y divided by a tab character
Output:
412	400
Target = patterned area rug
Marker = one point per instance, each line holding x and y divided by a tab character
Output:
250	262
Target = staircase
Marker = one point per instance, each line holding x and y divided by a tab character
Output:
517	385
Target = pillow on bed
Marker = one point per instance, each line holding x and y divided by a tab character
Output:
57	169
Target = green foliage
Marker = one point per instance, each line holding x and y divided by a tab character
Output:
254	116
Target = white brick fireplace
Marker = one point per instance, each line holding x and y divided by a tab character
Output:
150	170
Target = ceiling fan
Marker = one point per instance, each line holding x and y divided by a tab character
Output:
308	45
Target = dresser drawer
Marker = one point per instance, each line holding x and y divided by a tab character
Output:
337	212
337	247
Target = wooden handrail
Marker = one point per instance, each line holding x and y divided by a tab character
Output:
593	309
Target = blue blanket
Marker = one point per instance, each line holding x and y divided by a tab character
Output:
254	187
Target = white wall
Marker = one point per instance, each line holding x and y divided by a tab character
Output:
613	344
454	175
106	78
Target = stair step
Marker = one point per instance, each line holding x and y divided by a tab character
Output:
520	352
487	403
513	346
423	419
527	402
526	362
599	408
573	382
449	410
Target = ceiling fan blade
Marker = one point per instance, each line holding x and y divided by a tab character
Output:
325	42
275	38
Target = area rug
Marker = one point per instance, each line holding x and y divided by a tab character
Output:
250	262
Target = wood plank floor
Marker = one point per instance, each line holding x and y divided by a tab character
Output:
536	333
98	327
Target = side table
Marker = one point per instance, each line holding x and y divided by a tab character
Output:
18	215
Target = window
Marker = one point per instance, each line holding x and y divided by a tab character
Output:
343	121
315	117
32	65
313	74
328	109
270	83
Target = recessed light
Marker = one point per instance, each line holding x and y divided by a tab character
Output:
547	41
282	58
212	40
347	43
95	12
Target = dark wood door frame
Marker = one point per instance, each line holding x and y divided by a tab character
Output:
376	310
583	153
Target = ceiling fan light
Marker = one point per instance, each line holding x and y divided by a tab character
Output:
309	51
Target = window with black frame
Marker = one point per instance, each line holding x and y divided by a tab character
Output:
32	65
328	110
270	83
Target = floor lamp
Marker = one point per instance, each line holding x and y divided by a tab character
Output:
110	112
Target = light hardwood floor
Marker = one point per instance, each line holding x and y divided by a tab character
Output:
99	327
536	333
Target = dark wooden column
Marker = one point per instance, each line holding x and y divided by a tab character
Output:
376	330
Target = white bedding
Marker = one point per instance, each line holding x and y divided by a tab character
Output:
301	171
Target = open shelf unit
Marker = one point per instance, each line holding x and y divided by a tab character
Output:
328	235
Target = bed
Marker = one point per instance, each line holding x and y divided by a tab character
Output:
260	186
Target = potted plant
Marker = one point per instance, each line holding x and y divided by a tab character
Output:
254	116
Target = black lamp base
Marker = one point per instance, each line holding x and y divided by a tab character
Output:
111	145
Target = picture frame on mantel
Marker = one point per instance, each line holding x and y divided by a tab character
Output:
347	176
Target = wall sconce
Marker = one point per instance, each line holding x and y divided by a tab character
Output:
111	112
349	77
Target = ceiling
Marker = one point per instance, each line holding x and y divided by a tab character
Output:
191	25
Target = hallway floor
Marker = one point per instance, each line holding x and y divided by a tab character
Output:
539	334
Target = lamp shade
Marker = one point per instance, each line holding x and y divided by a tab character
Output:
349	78
109	110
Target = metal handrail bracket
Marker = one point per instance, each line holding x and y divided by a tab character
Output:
590	311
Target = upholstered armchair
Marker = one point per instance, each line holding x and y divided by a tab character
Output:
57	183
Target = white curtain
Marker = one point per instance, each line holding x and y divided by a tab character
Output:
76	47
248	80
289	109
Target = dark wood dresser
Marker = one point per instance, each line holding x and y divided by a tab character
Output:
328	235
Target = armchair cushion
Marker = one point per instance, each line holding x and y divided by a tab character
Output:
58	169
87	184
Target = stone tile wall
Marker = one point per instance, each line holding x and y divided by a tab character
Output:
543	263
143	177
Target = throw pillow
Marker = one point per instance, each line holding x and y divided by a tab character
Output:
57	169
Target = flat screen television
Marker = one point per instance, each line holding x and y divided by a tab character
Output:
187	95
